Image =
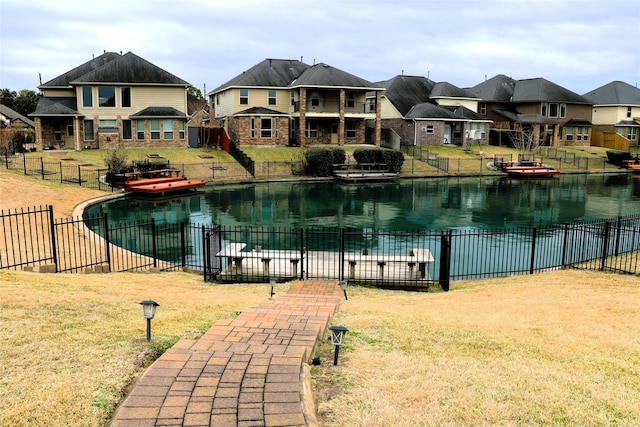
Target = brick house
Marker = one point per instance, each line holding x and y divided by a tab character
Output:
287	102
556	115
113	100
418	111
616	108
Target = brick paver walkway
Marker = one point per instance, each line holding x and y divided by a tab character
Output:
242	372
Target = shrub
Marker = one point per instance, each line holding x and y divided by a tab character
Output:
116	161
320	161
392	159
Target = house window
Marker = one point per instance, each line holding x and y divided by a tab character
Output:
69	130
563	110
315	99
107	96
579	133
126	129
88	130
351	100
428	129
87	97
155	128
311	130
543	109
108	123
293	97
629	112
632	134
272	97
351	129
569	136
217	99
252	128
371	105
126	97
553	109
483	109
167	127
181	129
265	128
140	129
244	96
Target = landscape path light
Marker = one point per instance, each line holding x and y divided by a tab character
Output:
272	282
149	311
343	286
337	338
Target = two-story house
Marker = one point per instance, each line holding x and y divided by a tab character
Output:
557	116
616	108
418	111
113	100
287	102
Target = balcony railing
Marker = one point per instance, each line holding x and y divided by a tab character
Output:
333	107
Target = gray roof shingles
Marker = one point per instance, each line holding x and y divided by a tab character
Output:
615	93
56	106
406	91
268	73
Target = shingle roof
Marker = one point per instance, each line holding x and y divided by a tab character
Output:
447	90
427	110
460	112
514	116
497	89
542	90
268	73
406	91
112	67
615	93
14	115
323	75
132	69
158	112
56	106
64	80
261	111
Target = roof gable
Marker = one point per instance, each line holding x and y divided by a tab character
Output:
323	75
64	80
615	93
542	90
268	73
498	88
15	116
406	91
447	90
132	69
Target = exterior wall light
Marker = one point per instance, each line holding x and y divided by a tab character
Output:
337	338
343	286
149	311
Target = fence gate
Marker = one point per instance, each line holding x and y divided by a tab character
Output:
212	244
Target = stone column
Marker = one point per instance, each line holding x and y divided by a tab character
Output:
302	125
341	102
378	129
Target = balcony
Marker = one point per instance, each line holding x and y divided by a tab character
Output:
333	108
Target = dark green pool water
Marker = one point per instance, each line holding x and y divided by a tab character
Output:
417	204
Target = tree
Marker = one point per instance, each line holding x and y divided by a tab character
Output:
7	97
195	100
25	102
524	139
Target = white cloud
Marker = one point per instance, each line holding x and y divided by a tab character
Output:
579	44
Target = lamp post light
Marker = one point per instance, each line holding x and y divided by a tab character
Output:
149	311
343	286
337	338
272	282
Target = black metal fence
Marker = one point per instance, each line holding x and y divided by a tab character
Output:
389	259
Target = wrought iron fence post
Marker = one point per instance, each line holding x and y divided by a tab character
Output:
605	245
534	233
563	260
445	259
24	163
42	168
52	232
153	242
79	176
183	243
106	240
617	239
61	174
341	268
303	252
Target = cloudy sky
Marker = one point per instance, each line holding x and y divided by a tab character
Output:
578	44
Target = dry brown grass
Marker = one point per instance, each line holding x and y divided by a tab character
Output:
554	349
